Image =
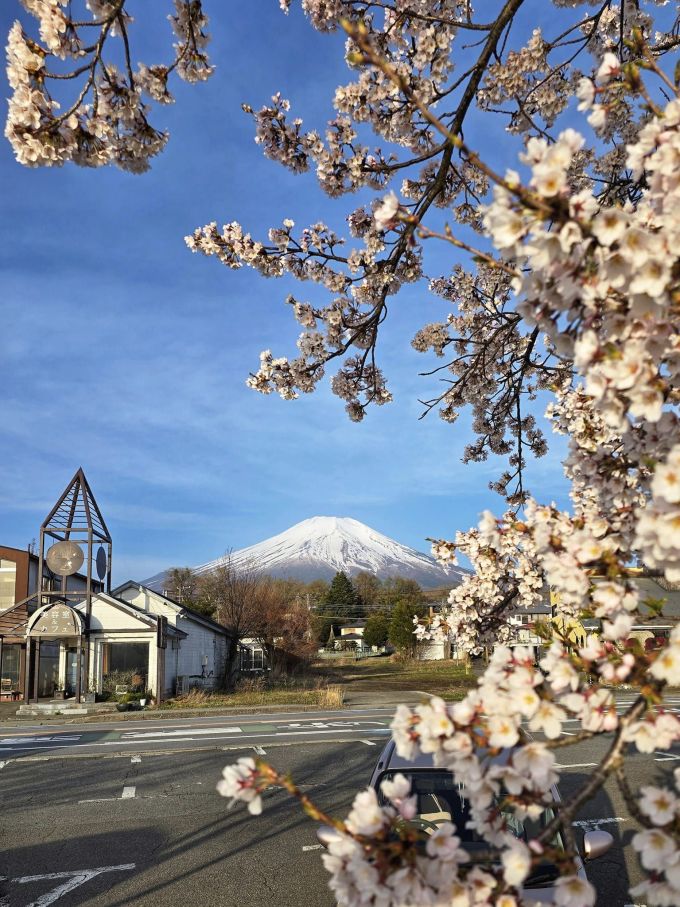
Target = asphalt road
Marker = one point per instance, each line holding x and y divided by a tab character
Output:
169	735
108	819
152	829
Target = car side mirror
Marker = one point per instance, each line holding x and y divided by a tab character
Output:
596	843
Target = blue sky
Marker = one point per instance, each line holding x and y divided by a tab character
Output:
122	352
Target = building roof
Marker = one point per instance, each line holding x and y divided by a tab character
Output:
133	610
182	610
542	607
653	589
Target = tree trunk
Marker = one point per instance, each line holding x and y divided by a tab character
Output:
231	670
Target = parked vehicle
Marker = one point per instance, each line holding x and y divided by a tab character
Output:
440	799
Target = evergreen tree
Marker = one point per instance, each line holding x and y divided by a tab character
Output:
377	629
401	634
341	600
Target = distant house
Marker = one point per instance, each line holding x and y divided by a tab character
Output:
523	623
253	658
651	630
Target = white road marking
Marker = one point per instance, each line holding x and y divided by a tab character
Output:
587	823
138	735
367	742
665	757
298	733
3	764
577	765
9	741
129	793
259	751
297	724
312	847
75	879
136	759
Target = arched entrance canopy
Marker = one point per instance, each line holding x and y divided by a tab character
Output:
55	621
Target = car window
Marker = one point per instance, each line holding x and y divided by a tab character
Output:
440	799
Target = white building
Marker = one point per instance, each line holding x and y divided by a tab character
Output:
135	633
197	652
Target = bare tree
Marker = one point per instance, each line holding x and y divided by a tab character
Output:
284	630
181	584
237	595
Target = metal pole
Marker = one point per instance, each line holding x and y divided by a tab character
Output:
41	556
36	675
79	672
27	669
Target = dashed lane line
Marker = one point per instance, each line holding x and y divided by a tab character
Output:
368	742
260	751
312	847
179	732
577	765
595	823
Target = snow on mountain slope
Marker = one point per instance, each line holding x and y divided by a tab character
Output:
319	547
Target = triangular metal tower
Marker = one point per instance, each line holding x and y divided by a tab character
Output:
76	510
76	517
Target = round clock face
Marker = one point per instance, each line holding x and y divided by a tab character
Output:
65	558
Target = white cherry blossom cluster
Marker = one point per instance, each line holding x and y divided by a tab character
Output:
107	121
579	300
657	845
658	529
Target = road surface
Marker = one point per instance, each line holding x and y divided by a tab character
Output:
128	814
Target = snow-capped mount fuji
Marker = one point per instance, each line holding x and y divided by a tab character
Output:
319	547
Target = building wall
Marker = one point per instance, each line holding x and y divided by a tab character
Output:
105	616
150	603
201	643
21	583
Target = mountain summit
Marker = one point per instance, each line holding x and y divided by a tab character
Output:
321	546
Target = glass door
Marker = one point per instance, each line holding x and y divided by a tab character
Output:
71	670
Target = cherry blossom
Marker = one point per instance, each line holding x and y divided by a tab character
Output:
563	288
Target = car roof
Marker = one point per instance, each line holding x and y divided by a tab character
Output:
390	760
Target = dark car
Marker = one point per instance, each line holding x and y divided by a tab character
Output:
440	799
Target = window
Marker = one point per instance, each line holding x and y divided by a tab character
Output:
126	656
252	659
8	578
11	664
